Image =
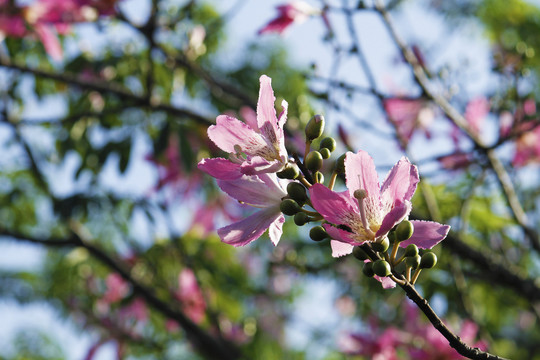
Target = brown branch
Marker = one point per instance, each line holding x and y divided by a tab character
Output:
107	87
454	340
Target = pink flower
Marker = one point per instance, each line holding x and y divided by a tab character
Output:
527	148
259	146
294	11
263	191
408	115
475	113
366	212
117	288
377	346
190	295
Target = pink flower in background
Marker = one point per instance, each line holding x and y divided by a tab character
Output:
190	295
476	112
408	115
117	288
455	161
376	345
258	146
263	191
527	148
288	14
369	212
171	172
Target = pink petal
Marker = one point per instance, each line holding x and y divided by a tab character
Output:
340	248
50	41
278	26
426	234
336	208
220	168
251	228
258	191
394	217
266	111
229	132
276	229
250	117
386	282
342	235
283	116
258	165
400	183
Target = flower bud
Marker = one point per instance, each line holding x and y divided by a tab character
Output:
301	219
428	260
325	153
381	268
297	192
317	233
314	160
381	245
340	165
411	250
392	236
413	262
328	143
368	269
315	127
289	207
404	230
288	172
359	253
319	177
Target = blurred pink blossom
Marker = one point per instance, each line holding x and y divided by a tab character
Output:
190	296
117	288
409	115
476	112
288	14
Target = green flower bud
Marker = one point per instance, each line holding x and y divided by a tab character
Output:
319	177
340	164
392	236
325	153
368	269
382	268
314	160
289	207
288	172
359	253
411	250
328	143
413	262
318	233
428	260
381	245
404	230
301	219
297	192
315	127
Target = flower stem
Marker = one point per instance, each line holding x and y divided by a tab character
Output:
415	276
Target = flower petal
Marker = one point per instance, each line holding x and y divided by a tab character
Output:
266	110
360	174
400	183
276	229
251	228
386	282
229	132
50	41
220	168
343	236
258	191
394	217
340	248
336	208
426	234
258	165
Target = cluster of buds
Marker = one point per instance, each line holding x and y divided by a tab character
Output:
365	218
